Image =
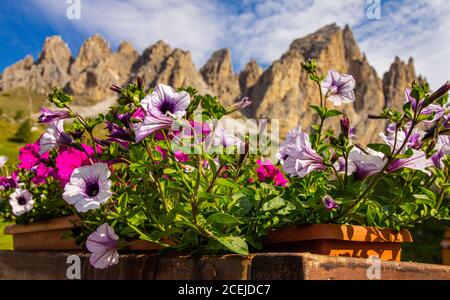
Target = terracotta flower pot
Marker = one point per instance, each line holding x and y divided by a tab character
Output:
44	235
445	245
48	236
339	240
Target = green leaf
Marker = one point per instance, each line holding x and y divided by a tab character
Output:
383	148
275	203
332	113
221	218
234	244
169	171
227	182
123	201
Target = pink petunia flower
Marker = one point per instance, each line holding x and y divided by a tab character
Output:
266	171
69	159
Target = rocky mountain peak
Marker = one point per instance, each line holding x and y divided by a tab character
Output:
396	80
55	50
249	76
282	91
218	67
218	74
92	51
126	48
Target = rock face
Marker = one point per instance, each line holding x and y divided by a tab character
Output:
162	64
282	91
396	80
51	68
218	74
249	76
96	68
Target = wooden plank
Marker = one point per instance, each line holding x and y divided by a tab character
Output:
263	266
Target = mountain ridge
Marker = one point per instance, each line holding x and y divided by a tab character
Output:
281	91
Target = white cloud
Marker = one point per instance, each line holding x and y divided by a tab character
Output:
263	29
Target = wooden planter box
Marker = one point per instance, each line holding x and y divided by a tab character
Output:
445	245
326	239
48	236
339	240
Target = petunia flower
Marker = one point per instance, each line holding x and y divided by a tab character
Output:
297	156
9	182
69	159
89	187
49	116
161	108
3	160
338	88
41	173
443	149
54	137
29	156
266	171
21	201
417	161
365	164
414	140
181	156
103	245
166	101
417	106
151	124
329	203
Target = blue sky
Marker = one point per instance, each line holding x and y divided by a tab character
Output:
252	29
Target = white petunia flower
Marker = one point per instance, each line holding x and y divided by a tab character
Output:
89	187
21	202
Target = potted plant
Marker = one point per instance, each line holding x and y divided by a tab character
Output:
169	175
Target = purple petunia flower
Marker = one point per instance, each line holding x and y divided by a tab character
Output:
431	109
53	137
161	108
365	164
443	148
21	201
48	116
297	156
9	182
414	140
417	161
338	88
89	187
329	203
103	244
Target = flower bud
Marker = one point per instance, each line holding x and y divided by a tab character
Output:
116	89
140	82
440	92
345	126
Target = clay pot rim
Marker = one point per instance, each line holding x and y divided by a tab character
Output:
69	222
44	225
352	233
